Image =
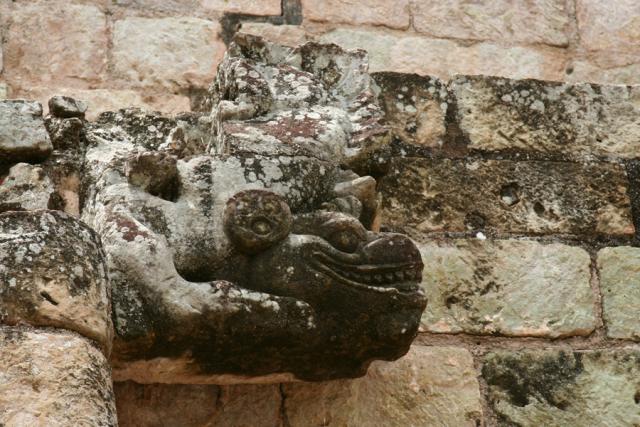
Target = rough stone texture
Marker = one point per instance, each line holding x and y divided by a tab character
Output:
71	292
4	90
54	41
429	386
506	196
53	378
65	107
249	7
513	21
548	119
625	72
23	136
284	277
507	287
178	52
288	35
415	107
406	53
158	405
101	100
564	388
620	287
25	187
357	12
602	27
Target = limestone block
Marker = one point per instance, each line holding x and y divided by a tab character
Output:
517	21
442	58
506	196
508	287
415	107
592	72
53	378
620	286
250	7
4	90
178	52
603	27
55	42
53	273
559	387
429	386
26	187
158	405
288	35
357	12
548	119
23	136
100	100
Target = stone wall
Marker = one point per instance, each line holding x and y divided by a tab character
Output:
162	53
523	195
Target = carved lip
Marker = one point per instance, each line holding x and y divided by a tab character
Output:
403	277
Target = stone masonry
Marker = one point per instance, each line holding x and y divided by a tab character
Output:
520	190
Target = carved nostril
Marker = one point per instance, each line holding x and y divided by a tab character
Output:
392	248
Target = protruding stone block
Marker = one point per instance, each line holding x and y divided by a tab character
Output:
507	287
26	187
564	388
23	136
620	286
507	196
548	119
53	273
53	378
178	52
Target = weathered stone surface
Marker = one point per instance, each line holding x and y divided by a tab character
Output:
503	20
53	378
288	35
564	388
415	107
548	119
75	51
101	100
602	27
4	90
65	107
506	196
157	405
442	58
26	187
250	7
429	386
590	70
357	12
23	136
284	277
620	286
53	273
178	52
507	287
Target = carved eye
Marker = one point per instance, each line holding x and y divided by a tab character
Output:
254	220
345	240
261	226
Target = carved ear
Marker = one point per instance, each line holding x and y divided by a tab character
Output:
255	220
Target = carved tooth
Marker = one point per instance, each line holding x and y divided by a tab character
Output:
367	278
399	275
408	274
377	278
389	277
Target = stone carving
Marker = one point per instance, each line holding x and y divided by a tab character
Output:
241	243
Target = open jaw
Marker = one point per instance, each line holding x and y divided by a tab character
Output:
402	277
